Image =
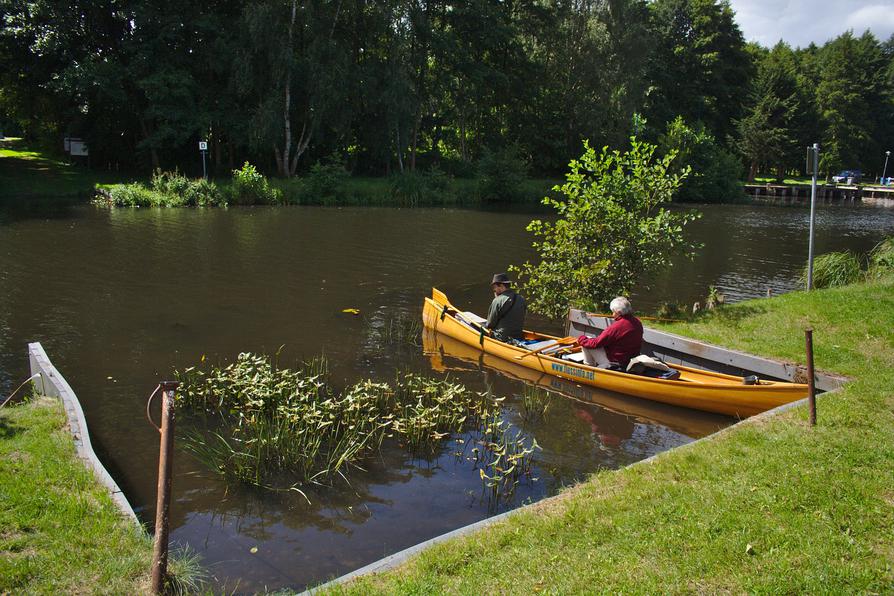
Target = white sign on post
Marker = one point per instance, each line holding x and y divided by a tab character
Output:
78	147
203	145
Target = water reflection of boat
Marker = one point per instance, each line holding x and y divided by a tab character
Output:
447	354
698	389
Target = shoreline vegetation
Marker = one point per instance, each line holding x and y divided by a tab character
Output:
770	505
61	532
28	172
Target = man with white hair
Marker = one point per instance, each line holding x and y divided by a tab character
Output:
621	341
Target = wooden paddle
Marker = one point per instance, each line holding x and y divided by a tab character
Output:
441	298
565	341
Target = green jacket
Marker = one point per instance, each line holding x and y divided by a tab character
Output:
507	321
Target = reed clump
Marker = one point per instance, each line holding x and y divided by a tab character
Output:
839	269
276	427
834	270
395	330
881	259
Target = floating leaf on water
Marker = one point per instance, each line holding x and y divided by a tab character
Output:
351	311
253	550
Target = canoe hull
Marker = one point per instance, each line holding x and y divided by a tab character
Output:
700	390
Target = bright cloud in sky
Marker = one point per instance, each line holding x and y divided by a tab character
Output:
799	22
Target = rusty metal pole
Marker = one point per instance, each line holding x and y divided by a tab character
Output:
163	502
811	382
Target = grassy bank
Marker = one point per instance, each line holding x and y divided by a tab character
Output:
770	506
29	172
59	530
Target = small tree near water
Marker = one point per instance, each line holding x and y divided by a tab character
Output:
612	229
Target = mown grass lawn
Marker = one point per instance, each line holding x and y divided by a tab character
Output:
769	506
28	172
59	530
794	181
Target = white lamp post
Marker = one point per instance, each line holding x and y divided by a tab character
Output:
885	170
815	150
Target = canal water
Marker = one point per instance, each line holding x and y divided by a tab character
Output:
121	298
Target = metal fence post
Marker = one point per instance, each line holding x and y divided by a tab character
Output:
163	503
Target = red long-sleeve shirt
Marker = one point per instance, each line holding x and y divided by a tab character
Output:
622	340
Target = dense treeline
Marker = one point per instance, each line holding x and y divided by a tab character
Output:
399	85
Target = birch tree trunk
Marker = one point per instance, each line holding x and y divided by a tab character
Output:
283	161
400	157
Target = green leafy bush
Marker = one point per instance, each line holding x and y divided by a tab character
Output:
612	230
325	183
178	190
128	195
166	189
250	187
412	189
501	175
834	269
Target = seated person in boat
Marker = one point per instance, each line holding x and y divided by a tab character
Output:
506	315
619	342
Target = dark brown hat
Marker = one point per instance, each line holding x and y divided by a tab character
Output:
501	278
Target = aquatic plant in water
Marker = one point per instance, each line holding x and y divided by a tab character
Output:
280	428
503	456
394	330
534	403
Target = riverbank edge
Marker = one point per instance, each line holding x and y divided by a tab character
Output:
399	558
444	568
51	383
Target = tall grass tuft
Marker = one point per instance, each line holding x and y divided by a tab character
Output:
881	259
186	573
834	269
266	424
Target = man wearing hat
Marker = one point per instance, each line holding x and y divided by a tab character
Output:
506	315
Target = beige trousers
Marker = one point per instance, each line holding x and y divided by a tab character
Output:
596	357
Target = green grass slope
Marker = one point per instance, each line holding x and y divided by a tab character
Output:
59	530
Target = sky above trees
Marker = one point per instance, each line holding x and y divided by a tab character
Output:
800	22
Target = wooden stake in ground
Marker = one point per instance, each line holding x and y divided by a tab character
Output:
163	503
811	382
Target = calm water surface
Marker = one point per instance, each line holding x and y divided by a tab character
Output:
120	298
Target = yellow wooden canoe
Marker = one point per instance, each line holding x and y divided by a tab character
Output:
695	388
451	355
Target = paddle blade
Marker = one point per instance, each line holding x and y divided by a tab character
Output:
440	297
